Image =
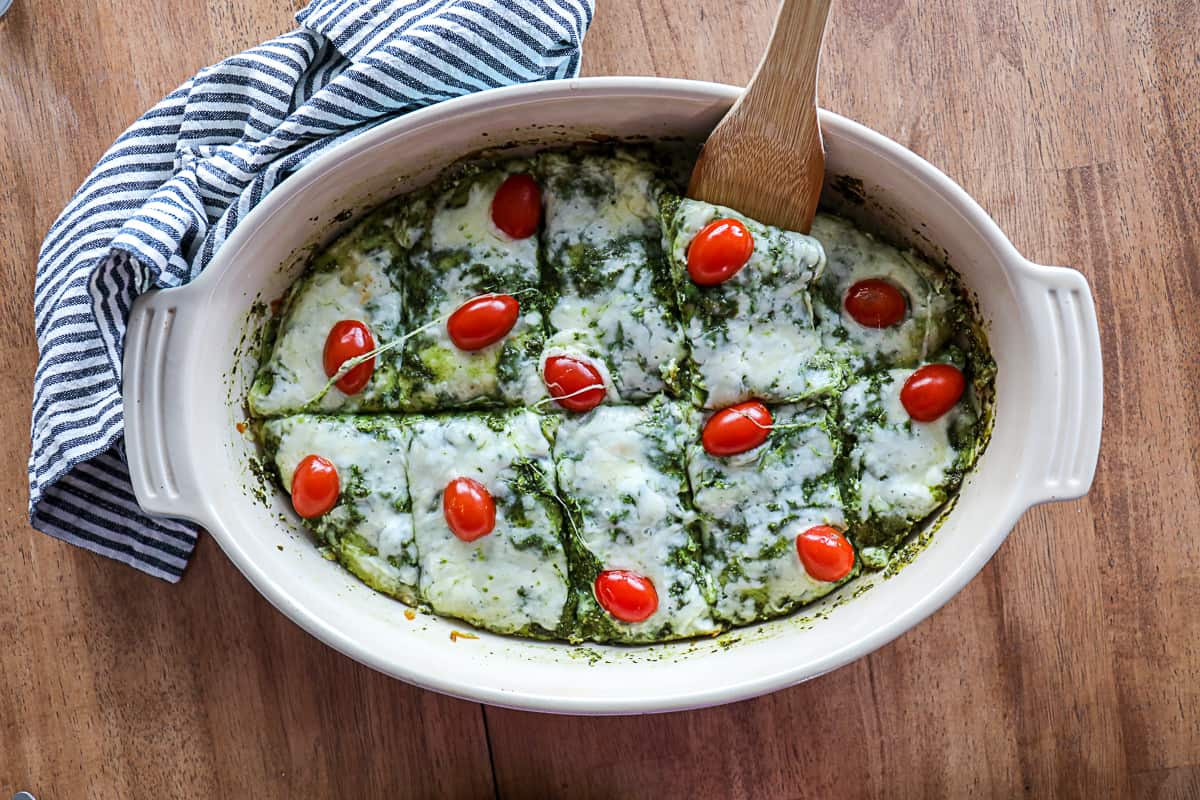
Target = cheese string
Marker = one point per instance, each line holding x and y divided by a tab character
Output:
928	325
566	509
555	398
351	363
772	427
362	358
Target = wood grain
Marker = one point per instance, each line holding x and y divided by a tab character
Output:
1069	668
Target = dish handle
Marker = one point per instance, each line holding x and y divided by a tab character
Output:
1063	443
157	404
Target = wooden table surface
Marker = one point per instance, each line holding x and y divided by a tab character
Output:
1070	667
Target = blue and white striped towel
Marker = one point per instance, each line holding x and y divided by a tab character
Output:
169	192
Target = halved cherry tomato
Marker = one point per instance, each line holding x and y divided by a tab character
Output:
482	321
567	379
349	339
315	486
626	595
469	509
737	429
719	250
875	303
825	553
932	391
517	206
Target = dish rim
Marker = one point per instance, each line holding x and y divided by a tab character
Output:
686	697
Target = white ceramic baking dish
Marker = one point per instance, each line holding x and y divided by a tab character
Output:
187	366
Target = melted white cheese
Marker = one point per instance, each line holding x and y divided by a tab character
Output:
855	255
604	210
628	202
754	504
764	342
464	256
377	456
359	289
901	461
632	514
490	581
639	348
779	333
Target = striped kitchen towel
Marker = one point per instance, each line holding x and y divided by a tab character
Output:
175	184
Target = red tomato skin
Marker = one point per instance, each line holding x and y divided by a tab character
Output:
469	509
482	321
875	303
348	339
626	595
931	391
825	553
517	206
315	486
565	376
719	250
737	429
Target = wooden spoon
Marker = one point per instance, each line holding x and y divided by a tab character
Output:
765	157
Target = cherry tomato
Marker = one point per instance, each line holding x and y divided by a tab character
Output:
349	339
482	321
568	377
932	391
737	429
875	303
719	251
825	553
626	595
315	486
517	206
469	509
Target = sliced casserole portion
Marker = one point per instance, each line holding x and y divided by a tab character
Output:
754	504
356	278
931	309
513	578
621	472
602	250
464	255
370	528
900	470
752	335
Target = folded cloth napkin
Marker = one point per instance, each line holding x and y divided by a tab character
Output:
175	184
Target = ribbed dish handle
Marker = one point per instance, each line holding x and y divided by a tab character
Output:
157	406
1064	437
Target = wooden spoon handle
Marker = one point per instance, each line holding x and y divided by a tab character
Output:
765	157
793	54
